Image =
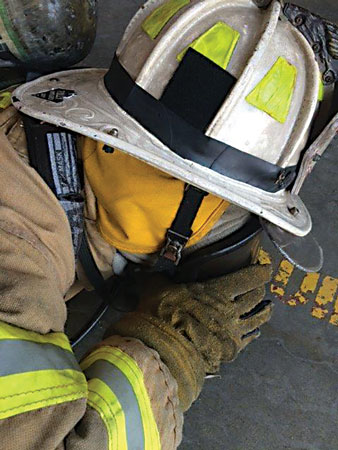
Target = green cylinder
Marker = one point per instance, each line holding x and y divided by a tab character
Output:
47	35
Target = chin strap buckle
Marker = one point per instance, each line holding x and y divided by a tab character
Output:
174	245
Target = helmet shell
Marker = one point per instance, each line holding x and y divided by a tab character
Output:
263	39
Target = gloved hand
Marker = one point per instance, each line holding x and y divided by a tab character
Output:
195	326
219	316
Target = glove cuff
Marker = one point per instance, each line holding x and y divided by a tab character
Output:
182	359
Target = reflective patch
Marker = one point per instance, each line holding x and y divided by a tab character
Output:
11	332
121	374
104	401
320	91
64	167
74	211
274	93
216	44
55	95
125	405
30	391
25	356
36	371
157	20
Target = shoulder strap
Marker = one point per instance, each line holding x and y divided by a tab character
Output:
53	154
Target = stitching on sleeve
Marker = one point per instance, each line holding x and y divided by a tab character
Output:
69	397
43	389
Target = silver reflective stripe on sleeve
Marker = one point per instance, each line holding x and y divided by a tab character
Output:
37	371
19	356
121	387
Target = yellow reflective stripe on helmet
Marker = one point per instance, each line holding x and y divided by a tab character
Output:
105	402
217	44
133	373
11	332
273	94
320	90
29	391
156	21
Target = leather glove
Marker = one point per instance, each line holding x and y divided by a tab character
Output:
180	356
195	326
220	317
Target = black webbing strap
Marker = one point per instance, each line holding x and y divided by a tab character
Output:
180	231
49	146
91	270
38	153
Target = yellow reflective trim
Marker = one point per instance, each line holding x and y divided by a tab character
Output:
135	376
216	44
11	332
157	20
29	391
320	91
105	402
5	99
274	93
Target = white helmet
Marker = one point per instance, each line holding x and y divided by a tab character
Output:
218	93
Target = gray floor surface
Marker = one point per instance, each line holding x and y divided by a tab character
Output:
281	393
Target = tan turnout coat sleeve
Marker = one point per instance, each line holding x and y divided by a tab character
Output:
38	410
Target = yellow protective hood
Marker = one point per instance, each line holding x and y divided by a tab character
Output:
137	203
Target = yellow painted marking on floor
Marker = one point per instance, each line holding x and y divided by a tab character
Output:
336	306
334	316
334	319
309	283
319	313
277	290
292	302
327	291
308	286
284	272
264	257
325	296
300	299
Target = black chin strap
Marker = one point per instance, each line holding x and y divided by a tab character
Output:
180	231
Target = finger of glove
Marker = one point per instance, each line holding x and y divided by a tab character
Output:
247	302
240	282
231	345
258	319
214	298
246	340
205	315
205	342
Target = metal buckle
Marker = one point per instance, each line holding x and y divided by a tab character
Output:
173	247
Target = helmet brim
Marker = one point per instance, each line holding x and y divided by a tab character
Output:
90	111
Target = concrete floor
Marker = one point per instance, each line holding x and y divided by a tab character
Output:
281	393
